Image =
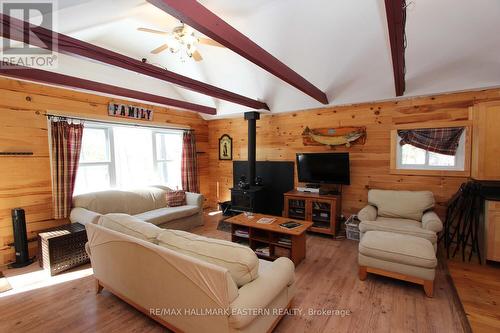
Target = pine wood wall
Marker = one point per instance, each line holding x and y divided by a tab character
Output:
279	138
26	181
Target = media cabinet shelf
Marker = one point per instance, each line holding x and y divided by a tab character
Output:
322	210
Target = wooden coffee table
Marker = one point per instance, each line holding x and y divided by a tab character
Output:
279	241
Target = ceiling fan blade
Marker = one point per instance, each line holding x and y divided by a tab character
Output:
159	49
153	31
211	42
197	56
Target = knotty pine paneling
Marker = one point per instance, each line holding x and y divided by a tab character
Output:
26	181
279	138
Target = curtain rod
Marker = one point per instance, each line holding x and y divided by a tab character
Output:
51	115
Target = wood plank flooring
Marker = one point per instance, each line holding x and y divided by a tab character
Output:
326	280
478	287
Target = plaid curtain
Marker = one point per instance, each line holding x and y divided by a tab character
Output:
66	145
438	140
189	164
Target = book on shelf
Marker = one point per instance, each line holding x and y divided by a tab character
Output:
296	203
321	205
284	240
241	233
263	250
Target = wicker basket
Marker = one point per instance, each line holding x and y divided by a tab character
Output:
352	227
62	248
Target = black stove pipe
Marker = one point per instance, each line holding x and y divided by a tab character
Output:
252	118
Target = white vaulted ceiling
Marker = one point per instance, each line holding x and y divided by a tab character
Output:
340	46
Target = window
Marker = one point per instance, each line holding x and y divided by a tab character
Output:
95	170
411	157
167	155
128	157
408	159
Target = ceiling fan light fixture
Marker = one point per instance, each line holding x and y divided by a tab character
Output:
181	41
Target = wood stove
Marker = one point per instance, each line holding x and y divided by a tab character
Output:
252	198
248	200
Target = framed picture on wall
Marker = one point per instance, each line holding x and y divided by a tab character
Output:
225	148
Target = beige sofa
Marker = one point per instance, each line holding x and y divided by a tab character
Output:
187	282
403	212
148	204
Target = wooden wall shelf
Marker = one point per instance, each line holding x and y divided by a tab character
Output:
16	153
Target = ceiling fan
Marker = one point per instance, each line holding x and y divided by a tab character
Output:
181	40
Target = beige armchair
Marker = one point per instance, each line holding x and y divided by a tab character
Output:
402	212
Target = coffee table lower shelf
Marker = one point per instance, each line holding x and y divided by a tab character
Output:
278	242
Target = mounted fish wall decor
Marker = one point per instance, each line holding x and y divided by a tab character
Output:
334	136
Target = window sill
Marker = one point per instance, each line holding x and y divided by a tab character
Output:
439	173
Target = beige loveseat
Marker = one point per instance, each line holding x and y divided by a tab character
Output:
402	212
148	204
187	282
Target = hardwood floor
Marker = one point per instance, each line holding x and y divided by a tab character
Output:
478	287
326	280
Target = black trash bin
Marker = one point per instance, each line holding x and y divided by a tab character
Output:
225	207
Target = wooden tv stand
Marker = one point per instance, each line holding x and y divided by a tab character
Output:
322	210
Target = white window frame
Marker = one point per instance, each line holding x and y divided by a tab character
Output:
157	161
108	130
111	163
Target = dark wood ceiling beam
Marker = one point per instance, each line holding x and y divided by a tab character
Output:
396	12
200	18
14	29
42	76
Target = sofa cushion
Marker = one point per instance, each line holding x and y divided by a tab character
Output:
432	222
176	198
127	202
368	213
398	248
131	226
241	261
274	278
167	214
401	226
83	216
401	204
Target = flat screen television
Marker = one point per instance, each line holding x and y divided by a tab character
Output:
324	168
